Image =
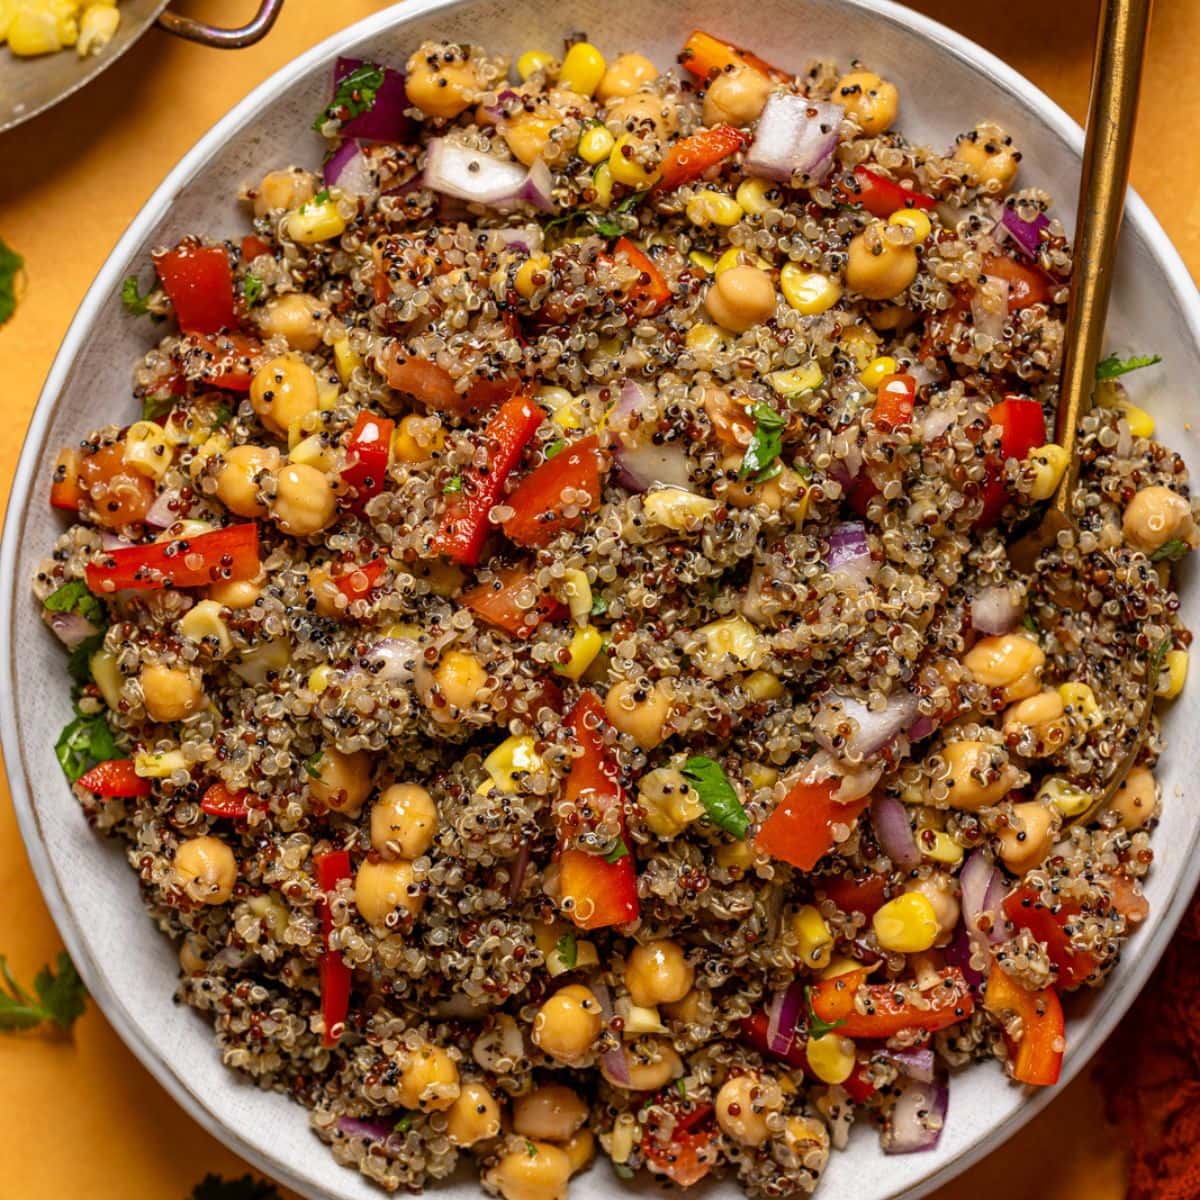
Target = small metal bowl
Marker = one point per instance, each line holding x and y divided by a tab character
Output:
29	86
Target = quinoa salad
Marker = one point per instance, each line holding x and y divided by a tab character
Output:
549	648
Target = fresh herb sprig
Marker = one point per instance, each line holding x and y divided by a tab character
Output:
11	264
710	783
761	460
58	997
1113	367
86	741
246	1187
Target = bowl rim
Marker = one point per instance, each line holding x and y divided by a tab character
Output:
1151	942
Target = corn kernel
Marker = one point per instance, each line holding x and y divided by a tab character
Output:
755	195
514	756
582	69
705	337
675	508
536	264
629	170
416	440
37	31
915	219
1049	462
706	262
315	223
813	939
760	775
1141	423
712	208
578	592
108	677
873	373
148	450
596	144
569	417
762	685
906	925
583	649
735	256
831	1058
808	292
96	28
533	61
602	185
158	765
1070	800
733	636
1081	700
345	358
796	381
203	621
841	965
319	678
1173	675
939	846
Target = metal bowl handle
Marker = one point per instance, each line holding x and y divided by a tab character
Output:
224	39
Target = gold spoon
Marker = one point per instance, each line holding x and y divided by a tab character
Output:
1112	112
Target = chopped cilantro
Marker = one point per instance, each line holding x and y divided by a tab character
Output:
681	1088
554	448
403	1125
453	484
617	851
1029	623
599	605
10	265
322	197
567	950
1171	551
354	95
606	226
86	741
761	460
1157	659
60	998
222	415
79	661
818	1028
74	597
709	781
1113	367
531	1149
311	765
252	289
136	305
154	407
213	1187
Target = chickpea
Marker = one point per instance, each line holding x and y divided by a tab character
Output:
418	439
474	1116
645	112
741	298
283	391
694	1009
238	593
538	1175
386	887
987	153
872	102
342	781
743	1104
441	80
528	134
404	818
428	1079
658	973
171	693
940	890
978	775
652	1063
626	74
1040	718
296	318
804	1134
1010	662
640	711
304	501
736	97
580	1149
1136	800
567	1024
551	1113
206	869
1028	840
289	188
730	420
238	476
460	678
1156	515
191	954
119	494
878	266
326	594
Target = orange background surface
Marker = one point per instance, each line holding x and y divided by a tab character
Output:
82	1118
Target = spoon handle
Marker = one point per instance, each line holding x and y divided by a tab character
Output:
1112	112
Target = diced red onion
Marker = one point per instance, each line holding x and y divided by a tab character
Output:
527	239
995	610
374	1131
113	541
916	1064
1026	234
71	628
795	138
983	890
917	1118
349	169
889	818
989	306
496	111
921	728
783	1015
847	542
385	120
614	1062
164	510
959	953
392	659
455	170
873	729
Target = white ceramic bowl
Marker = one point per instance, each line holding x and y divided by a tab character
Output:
946	84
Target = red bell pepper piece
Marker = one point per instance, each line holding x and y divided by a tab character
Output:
705	56
219	801
114	778
1026	910
864	894
858	1085
357	583
199	282
496	603
229	360
800	830
685	1156
891	1007
254	247
465	521
538	501
1026	285
433	386
879	195
336	977
600	893
223	554
369	448
1022	429
651	292
894	401
690	157
1036	1057
860	492
65	492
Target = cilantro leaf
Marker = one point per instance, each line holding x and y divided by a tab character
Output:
599	605
453	484
709	781
79	661
554	448
403	1125
1157	659
354	95
86	741
1171	551
681	1088
60	998
213	1187
1113	367
817	1028
606	226
74	597
252	289
312	764
531	1149
567	950
762	455
322	197
617	851
10	265
136	305
154	407
222	415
